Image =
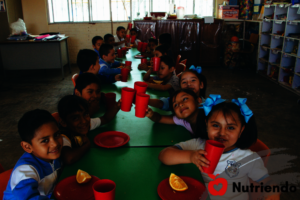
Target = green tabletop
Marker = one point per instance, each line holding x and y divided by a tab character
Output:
142	131
137	172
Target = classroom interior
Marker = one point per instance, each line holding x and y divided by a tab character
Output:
272	91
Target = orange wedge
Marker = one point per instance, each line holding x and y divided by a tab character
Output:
82	177
78	140
177	183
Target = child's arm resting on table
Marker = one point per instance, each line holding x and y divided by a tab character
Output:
157	103
174	156
111	113
27	188
159	86
71	155
147	75
156	117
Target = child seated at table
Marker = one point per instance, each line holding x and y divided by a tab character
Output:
166	74
233	125
97	41
185	104
109	39
120	38
166	39
150	48
107	58
35	174
88	62
191	79
133	32
159	51
88	86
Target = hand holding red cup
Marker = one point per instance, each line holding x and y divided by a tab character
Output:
141	104
129	26
156	64
133	39
144	47
128	63
214	151
140	46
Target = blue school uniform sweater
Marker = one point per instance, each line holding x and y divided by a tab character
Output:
115	64
32	178
107	69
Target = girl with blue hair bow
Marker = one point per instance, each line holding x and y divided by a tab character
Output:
233	125
191	79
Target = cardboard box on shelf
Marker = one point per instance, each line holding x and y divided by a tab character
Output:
228	12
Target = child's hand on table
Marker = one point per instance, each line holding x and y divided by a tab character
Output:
143	66
128	67
199	160
118	77
149	113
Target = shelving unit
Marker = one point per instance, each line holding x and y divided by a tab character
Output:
279	54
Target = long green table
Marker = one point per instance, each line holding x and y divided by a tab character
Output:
142	131
137	172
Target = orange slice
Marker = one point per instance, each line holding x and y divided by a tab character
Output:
157	81
78	140
177	183
82	177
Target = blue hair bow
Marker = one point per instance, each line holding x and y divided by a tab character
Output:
246	112
212	101
198	69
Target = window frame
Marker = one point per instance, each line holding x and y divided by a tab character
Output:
103	21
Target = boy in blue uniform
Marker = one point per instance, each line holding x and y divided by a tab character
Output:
88	62
107	58
109	39
97	41
36	172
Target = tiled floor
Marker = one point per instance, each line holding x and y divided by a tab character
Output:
275	108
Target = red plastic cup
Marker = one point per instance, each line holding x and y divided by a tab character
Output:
110	99
124	49
145	44
156	63
140	87
214	151
124	74
128	36
127	95
129	26
144	60
140	46
133	39
128	63
141	104
120	53
104	189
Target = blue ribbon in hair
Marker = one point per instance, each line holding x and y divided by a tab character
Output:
213	100
196	69
246	112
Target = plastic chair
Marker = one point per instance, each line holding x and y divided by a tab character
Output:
4	178
74	78
260	146
183	61
177	60
257	147
179	68
56	117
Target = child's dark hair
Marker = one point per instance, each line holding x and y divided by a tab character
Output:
86	79
249	134
95	39
201	126
134	29
105	49
155	41
70	104
168	61
120	28
107	36
86	58
163	49
201	78
31	121
165	38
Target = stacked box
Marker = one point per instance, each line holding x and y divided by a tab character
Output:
228	12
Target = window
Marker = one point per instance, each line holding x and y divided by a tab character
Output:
119	10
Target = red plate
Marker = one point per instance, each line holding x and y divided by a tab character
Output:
69	189
139	56
111	139
194	191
